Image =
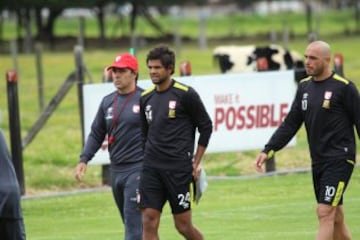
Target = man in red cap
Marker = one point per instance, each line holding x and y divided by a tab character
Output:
118	119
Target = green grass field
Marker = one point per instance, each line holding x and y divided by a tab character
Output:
267	208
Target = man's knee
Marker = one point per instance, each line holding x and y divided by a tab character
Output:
150	219
326	212
183	227
183	223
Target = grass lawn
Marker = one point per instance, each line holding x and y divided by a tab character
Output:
267	208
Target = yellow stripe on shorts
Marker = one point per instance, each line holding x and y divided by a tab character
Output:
338	194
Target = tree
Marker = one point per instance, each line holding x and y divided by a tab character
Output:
27	10
357	15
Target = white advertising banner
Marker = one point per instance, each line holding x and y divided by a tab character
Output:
245	108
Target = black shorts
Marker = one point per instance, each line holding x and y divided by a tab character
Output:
158	186
331	180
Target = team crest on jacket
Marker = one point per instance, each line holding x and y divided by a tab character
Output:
172	106
327	97
136	108
109	113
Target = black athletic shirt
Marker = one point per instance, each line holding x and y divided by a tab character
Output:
9	187
329	109
169	120
126	152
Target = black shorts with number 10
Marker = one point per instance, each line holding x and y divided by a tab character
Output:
331	180
158	186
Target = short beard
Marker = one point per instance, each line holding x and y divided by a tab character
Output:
160	81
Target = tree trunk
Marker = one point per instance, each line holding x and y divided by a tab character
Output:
39	24
49	27
357	16
134	14
308	17
151	20
45	27
18	24
1	28
28	39
101	21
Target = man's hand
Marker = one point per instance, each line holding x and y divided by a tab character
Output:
80	171
261	158
196	171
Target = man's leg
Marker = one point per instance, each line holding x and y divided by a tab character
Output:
132	214
330	183
183	224
20	235
151	221
326	218
117	191
341	232
12	229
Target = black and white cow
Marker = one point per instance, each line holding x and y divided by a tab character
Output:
251	58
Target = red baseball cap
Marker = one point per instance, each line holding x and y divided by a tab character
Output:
125	60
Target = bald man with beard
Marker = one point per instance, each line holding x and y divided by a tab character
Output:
328	105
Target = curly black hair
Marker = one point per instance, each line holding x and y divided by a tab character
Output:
164	54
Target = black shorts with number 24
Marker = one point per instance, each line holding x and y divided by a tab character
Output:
158	186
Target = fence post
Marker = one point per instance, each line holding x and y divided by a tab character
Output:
185	68
81	37
270	165
202	31
38	52
262	64
176	14
80	81
339	63
105	168
15	129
